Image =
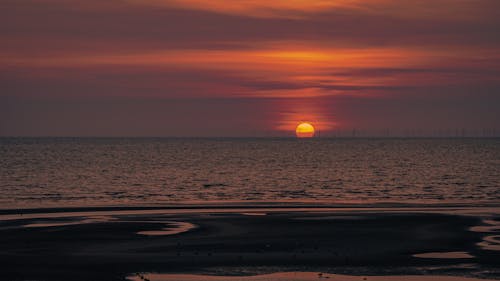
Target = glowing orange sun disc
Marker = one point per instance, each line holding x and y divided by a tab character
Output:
304	130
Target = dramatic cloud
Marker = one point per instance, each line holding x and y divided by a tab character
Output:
290	61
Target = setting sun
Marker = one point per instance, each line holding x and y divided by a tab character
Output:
304	130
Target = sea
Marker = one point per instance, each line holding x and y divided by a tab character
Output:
86	172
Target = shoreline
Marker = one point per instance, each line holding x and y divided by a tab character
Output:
111	245
248	205
41	213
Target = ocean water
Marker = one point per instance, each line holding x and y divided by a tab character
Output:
62	172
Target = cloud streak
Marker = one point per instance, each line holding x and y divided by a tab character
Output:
321	51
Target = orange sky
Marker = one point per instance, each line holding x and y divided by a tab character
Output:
341	65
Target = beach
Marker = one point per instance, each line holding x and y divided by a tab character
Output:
121	243
250	140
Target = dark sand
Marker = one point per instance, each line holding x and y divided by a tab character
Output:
296	276
224	242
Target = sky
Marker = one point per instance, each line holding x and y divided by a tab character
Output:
214	68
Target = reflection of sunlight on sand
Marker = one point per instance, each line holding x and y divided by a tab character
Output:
492	226
339	217
490	242
293	276
83	220
254	214
445	255
173	227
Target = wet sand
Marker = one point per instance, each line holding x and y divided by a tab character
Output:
113	246
295	276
